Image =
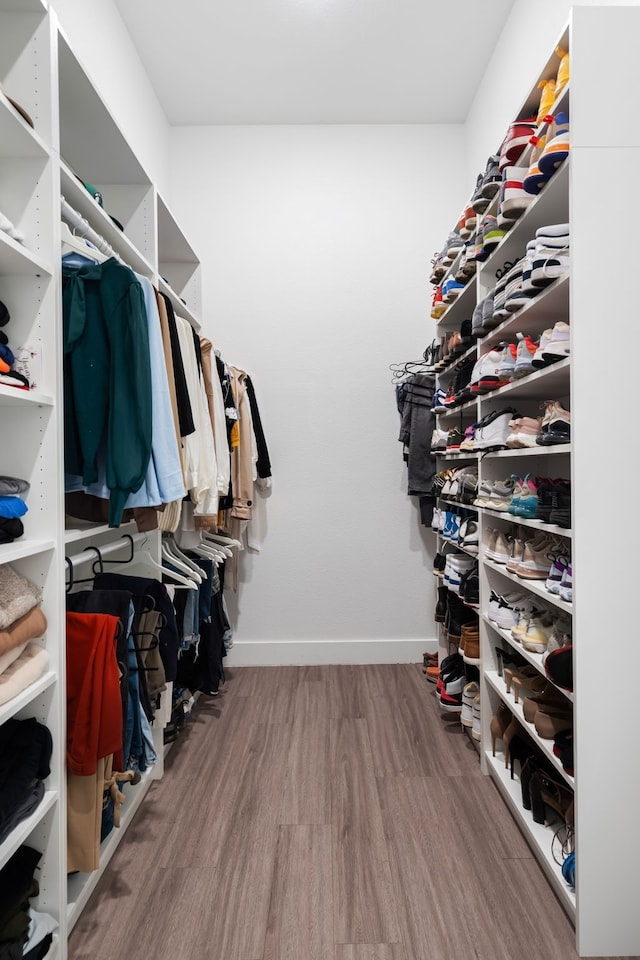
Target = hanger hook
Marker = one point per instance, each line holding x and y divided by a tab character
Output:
67	560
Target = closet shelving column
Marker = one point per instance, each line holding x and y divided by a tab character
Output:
30	425
93	147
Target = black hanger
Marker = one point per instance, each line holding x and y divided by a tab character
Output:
101	560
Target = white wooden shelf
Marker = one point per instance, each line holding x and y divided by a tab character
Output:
17	259
24	548
27	696
531	586
534	658
539	836
82	530
21	832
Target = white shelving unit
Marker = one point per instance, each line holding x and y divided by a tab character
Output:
74	135
590	192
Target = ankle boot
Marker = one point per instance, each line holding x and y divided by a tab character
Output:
441	605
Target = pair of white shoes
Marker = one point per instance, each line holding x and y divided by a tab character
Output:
8	227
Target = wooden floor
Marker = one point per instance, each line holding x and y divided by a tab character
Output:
323	813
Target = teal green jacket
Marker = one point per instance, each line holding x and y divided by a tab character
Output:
107	378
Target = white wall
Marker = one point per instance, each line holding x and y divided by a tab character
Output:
99	39
316	244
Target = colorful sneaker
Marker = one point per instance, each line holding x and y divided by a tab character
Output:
524	431
557	146
514	199
556	425
553	582
566	586
485	375
558	346
450	289
525	351
516	140
528	499
467	442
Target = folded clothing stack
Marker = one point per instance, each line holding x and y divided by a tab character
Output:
8	376
24	932
22	622
12	507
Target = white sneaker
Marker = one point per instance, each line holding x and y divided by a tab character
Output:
476	729
469	692
492	434
559	345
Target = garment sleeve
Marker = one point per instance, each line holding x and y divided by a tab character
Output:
264	462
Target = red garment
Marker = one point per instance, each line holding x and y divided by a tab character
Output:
94	706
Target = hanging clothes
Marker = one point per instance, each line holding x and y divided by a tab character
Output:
107	378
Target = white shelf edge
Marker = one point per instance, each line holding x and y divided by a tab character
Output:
535	659
14	395
545	746
24	548
530	585
22	830
538	451
538	835
526	522
531	378
77	534
80	886
24	698
36	263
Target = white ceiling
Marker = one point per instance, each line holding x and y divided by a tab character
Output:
315	61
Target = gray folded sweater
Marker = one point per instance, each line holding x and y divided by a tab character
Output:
17	595
13	486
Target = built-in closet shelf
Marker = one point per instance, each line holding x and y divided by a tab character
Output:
21	832
549	383
551	304
80	886
450	369
551	528
459	308
553	450
544	746
550	206
27	696
534	658
15	396
54	949
538	836
531	586
178	303
24	548
78	533
17	138
100	221
19	260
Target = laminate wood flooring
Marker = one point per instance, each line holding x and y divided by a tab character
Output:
323	813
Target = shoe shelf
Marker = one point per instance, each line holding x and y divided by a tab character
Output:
468	408
9	709
525	522
545	747
551	304
538	835
550	206
548	382
532	586
459	308
449	365
535	659
17	138
554	449
21	832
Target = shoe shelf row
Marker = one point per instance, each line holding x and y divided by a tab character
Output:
529	586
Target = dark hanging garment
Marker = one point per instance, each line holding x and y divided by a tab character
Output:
185	414
263	466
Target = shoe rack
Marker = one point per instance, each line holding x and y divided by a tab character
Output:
73	134
591	192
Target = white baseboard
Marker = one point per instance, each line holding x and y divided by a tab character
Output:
271	653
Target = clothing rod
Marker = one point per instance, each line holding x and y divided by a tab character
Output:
76	220
90	554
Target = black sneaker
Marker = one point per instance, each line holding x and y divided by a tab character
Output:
545	486
438	563
561	505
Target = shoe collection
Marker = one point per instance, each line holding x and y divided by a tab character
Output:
533	498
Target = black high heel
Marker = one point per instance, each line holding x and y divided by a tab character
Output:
527	770
519	750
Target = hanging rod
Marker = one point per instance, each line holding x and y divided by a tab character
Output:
78	222
91	553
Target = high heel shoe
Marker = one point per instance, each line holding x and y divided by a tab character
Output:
512	732
519	749
499	723
508	658
549	695
519	673
529	685
552	720
547	792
